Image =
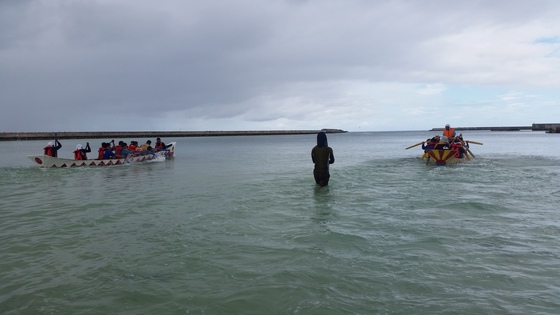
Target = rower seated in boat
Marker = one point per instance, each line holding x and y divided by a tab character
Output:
430	143
443	144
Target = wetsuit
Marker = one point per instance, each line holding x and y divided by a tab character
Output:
322	155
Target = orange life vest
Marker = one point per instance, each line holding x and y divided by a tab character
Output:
449	133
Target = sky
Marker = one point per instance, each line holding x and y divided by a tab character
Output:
356	65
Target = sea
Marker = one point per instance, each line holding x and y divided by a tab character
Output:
237	225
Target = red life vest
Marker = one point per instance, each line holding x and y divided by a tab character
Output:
456	147
100	155
79	155
159	145
48	150
118	150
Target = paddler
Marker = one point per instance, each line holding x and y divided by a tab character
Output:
52	148
80	153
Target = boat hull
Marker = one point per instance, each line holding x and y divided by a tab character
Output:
49	161
442	157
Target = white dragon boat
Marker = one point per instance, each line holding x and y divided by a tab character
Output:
49	161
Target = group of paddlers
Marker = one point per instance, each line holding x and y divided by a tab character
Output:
443	143
449	141
108	150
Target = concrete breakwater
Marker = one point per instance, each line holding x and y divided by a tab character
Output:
116	135
533	127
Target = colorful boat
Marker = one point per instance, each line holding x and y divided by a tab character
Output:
443	153
444	157
49	161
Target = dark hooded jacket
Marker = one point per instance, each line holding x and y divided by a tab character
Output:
322	155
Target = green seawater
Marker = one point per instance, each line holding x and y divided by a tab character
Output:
236	225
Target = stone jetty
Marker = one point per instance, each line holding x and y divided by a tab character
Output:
534	127
11	136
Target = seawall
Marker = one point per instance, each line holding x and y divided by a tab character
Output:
11	136
533	127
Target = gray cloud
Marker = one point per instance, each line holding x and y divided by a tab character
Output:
71	65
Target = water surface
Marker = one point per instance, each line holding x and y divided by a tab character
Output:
236	225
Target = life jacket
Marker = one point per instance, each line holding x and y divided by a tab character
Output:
159	145
48	150
449	132
132	147
456	147
118	150
80	155
100	153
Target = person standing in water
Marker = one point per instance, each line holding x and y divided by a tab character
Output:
322	155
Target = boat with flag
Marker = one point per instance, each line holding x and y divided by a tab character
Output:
136	157
443	151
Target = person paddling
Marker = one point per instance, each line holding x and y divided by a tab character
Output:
80	153
52	148
322	155
160	146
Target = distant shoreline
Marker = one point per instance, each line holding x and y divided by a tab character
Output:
13	136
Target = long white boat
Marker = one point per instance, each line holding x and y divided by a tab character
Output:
49	161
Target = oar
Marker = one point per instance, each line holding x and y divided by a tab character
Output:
468	150
415	145
55	153
470	141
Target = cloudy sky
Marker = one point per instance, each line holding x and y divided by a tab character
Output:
357	65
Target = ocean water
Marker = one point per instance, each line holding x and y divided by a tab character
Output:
236	225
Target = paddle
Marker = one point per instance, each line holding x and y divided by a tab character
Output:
468	150
470	141
415	145
54	149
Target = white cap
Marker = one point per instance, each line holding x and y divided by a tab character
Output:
50	143
78	147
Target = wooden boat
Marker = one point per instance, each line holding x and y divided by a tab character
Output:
451	154
444	157
49	161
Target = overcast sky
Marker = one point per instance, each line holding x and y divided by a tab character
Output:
357	65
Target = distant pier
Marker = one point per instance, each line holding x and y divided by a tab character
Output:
11	136
533	127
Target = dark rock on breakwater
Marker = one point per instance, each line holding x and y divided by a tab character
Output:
10	136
